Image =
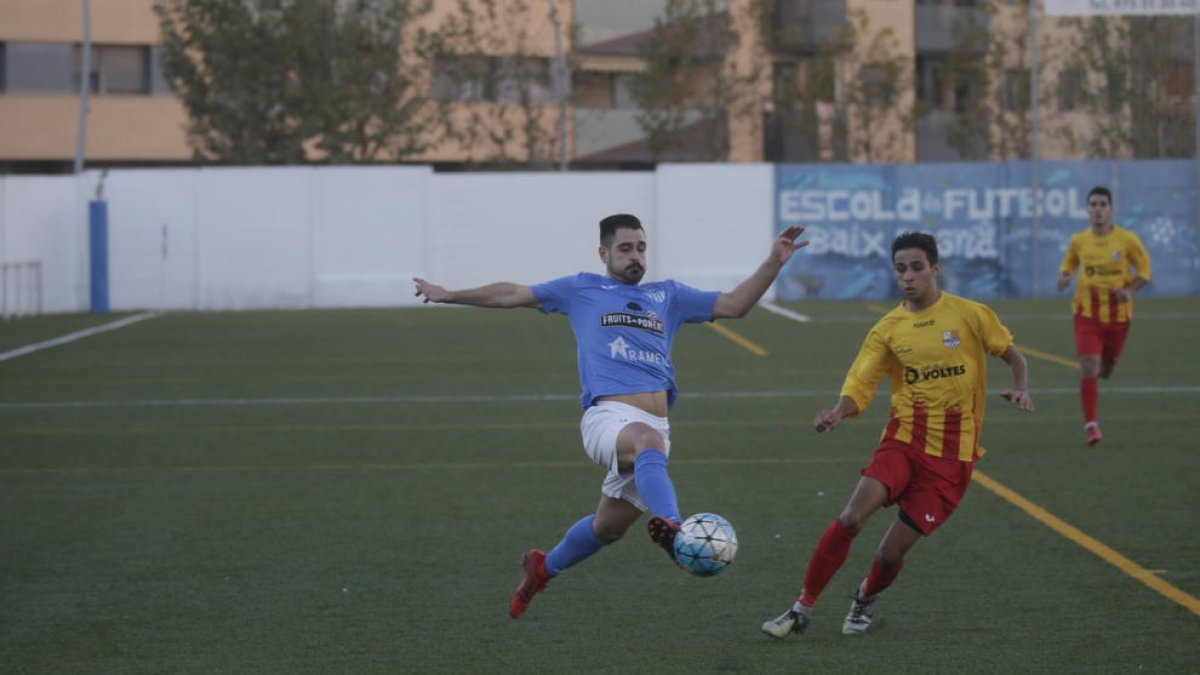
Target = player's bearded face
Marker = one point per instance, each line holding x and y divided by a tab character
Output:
625	259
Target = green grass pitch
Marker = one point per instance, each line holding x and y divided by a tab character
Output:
349	491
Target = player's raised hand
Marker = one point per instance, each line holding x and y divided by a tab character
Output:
1019	397
430	292
827	420
785	244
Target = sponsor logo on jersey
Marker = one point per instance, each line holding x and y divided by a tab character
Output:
913	375
620	349
626	320
950	339
1102	271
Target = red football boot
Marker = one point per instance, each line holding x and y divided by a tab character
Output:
536	578
1092	432
662	532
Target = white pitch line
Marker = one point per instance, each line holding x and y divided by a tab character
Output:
784	312
71	337
508	398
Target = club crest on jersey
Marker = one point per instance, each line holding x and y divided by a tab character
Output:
1116	256
950	339
657	296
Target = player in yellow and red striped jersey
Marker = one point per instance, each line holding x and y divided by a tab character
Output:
934	349
1114	266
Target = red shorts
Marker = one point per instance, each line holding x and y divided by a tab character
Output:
927	488
1096	337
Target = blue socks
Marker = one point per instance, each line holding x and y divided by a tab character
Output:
577	544
654	485
658	493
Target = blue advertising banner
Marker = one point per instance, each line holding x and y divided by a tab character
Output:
998	235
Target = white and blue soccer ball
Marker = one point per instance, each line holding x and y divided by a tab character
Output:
705	545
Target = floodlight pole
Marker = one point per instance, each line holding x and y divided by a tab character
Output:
560	83
85	85
1033	142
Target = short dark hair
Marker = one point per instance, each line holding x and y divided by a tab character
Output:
925	242
1102	191
610	225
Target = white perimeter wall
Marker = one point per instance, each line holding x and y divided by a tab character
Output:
256	238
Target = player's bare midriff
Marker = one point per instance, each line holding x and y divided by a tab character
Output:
653	402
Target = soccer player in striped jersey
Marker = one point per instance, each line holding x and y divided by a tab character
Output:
933	347
1114	267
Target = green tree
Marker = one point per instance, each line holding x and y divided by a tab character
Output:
988	70
486	56
690	84
851	99
283	81
1134	79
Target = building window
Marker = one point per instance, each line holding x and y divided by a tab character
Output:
622	97
38	67
1115	81
1070	89
879	85
57	67
116	69
1016	89
158	83
931	83
520	78
938	88
475	79
1181	79
460	79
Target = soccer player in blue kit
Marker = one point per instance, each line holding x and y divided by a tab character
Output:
623	331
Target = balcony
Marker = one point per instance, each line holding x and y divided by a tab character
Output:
800	26
933	139
936	25
608	136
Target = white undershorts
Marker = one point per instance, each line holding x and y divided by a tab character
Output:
600	426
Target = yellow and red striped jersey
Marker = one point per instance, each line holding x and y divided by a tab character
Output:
936	362
1105	263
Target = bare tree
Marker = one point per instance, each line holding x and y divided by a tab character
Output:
690	87
988	70
1133	78
853	98
488	66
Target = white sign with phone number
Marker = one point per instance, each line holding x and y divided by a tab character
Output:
1118	7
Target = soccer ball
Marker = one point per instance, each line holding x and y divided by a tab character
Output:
705	545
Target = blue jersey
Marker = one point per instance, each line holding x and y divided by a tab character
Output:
624	332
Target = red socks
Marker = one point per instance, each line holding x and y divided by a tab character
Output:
879	578
1089	394
826	560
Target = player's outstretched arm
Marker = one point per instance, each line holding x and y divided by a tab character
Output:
828	420
1019	367
737	303
503	295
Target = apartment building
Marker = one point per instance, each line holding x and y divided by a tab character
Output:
894	93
